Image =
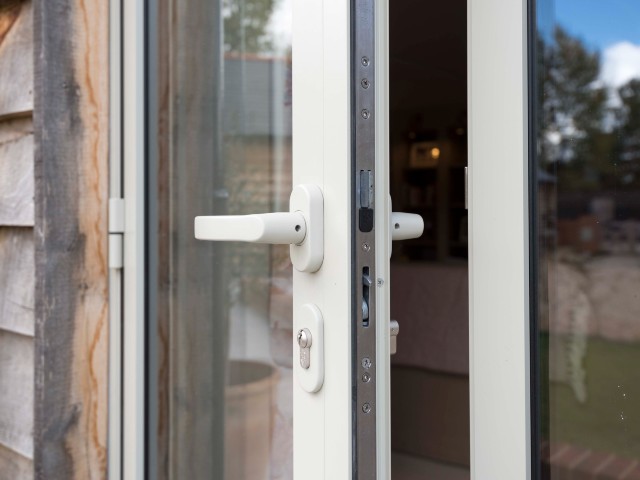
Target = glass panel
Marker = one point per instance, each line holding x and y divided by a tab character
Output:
587	237
220	319
429	284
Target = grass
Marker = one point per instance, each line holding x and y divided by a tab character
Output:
609	420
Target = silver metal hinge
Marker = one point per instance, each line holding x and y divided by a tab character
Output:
116	232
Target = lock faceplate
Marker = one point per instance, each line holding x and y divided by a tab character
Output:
364	270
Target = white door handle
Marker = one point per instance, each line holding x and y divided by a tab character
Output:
406	225
279	228
403	226
302	228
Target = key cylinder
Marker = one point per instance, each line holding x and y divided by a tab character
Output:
304	342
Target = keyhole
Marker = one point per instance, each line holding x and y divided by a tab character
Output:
397	226
297	228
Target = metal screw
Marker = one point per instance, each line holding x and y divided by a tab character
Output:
366	247
365	61
366	378
366	408
380	282
365	83
365	113
366	362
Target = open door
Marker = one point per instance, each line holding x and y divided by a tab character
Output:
460	382
267	241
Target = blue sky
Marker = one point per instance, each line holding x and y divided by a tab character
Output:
610	26
601	23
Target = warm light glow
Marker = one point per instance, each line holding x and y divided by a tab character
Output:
435	153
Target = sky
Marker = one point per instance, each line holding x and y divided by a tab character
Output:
610	26
601	23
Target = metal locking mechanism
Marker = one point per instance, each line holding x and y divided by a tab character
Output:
394	328
304	342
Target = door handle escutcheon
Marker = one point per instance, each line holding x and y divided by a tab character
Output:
309	367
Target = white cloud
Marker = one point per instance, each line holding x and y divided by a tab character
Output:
620	63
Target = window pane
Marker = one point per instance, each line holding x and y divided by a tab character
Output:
586	136
220	352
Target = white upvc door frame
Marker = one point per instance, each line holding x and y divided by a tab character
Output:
499	240
321	156
133	60
114	448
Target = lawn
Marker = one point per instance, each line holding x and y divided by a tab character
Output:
609	420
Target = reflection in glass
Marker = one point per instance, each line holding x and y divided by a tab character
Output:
587	166
220	365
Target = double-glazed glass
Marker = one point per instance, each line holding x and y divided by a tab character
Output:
586	166
219	315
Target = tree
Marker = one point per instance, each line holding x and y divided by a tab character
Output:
245	24
627	174
574	105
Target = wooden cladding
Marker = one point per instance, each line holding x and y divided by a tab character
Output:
71	197
16	58
17	273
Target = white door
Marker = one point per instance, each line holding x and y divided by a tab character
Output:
256	329
495	121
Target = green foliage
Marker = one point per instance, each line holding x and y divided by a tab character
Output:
245	23
605	422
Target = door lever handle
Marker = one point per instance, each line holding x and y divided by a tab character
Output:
302	228
275	228
403	226
406	225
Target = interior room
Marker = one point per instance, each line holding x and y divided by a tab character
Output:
429	285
